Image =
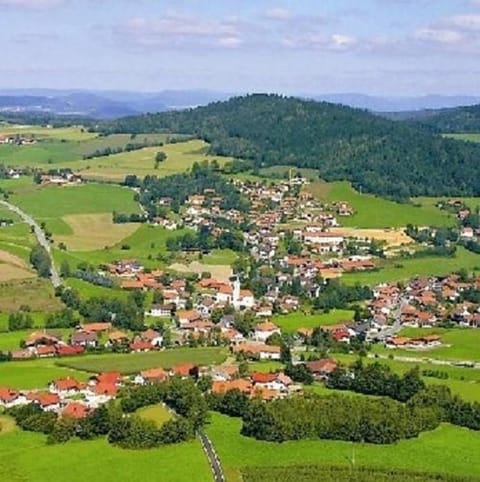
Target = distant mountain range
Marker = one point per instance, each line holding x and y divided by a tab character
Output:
115	104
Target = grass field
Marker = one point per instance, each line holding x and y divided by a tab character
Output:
404	269
471	202
94	231
7	424
74	133
292	322
135	362
55	202
375	212
180	157
32	374
36	293
459	344
464	137
25	457
38	320
156	413
427	453
11	340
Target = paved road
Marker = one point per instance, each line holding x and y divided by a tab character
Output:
41	238
212	457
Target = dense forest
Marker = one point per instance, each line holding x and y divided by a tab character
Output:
459	119
377	155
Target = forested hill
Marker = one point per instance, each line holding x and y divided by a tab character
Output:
460	119
378	155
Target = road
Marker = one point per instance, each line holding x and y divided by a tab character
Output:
41	238
212	457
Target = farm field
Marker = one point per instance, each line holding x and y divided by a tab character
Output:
156	413
74	133
375	212
89	290
292	322
37	293
135	362
424	454
220	272
38	320
180	157
51	202
146	244
471	202
403	269
25	457
94	231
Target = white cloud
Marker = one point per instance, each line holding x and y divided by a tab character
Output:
439	35
278	14
33	4
468	22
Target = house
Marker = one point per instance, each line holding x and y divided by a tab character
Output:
68	350
321	369
96	327
66	387
49	402
117	337
265	330
258	351
243	386
161	310
11	398
271	381
109	378
41	338
154	375
76	410
139	346
46	351
187	316
153	337
184	370
84	338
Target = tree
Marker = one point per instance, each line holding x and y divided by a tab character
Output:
160	157
40	260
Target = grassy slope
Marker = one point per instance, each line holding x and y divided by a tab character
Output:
376	212
135	362
156	413
403	269
427	453
292	322
25	457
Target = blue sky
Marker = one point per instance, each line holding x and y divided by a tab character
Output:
385	47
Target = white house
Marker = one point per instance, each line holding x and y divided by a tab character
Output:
265	330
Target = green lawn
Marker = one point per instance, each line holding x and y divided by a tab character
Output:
265	366
34	374
220	257
464	137
377	212
403	269
156	413
135	362
292	322
427	453
25	457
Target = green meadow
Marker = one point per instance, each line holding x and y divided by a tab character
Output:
427	453
135	362
458	344
376	212
464	137
400	269
156	413
25	457
292	322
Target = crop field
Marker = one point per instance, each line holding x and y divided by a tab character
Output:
36	293
292	322
375	212
180	157
156	413
392	237
94	231
89	290
219	272
135	362
146	244
74	133
424	454
25	457
403	269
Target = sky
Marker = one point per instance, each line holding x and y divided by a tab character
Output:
381	47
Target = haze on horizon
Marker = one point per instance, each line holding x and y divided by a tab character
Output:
380	47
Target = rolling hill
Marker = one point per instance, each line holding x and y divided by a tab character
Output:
377	155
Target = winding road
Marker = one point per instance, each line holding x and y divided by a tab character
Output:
41	238
212	457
